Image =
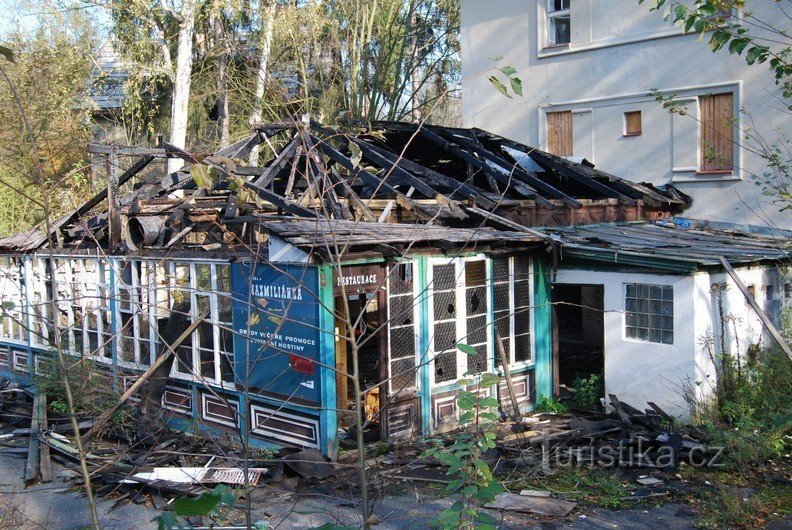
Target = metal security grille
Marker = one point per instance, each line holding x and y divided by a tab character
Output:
445	325
476	307
459	309
650	312
512	305
401	328
522	308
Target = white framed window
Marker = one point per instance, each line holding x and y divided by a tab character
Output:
458	304
512	278
13	325
559	22
208	356
649	312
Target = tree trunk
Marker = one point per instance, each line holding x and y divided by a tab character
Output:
181	87
261	75
221	81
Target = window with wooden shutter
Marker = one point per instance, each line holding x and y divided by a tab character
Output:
632	123
717	133
559	133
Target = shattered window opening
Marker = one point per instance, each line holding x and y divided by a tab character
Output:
559	22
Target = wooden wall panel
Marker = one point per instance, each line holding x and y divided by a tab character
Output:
717	132
559	133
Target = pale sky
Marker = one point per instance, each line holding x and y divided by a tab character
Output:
24	14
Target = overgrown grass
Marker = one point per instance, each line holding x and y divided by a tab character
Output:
726	499
92	389
588	484
551	405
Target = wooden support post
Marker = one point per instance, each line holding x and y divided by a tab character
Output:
113	200
45	463
760	313
32	467
507	372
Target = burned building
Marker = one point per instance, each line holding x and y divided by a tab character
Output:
399	252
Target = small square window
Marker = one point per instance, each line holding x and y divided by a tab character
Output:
632	123
649	312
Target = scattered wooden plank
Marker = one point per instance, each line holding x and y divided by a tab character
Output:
661	412
507	372
532	504
625	418
45	463
32	467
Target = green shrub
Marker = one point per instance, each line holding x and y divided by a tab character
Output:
551	405
751	417
588	391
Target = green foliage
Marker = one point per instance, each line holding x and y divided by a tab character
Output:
472	478
216	505
551	405
588	391
726	31
751	418
589	484
50	74
91	389
515	83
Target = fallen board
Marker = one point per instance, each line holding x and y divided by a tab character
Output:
530	504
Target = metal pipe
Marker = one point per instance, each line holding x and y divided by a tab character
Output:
143	231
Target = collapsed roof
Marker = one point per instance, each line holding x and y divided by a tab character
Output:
385	172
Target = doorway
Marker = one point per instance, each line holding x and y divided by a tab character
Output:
365	297
581	332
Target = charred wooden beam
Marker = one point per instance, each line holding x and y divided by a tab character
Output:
372	180
401	176
563	167
278	164
512	168
519	187
458	187
358	205
88	205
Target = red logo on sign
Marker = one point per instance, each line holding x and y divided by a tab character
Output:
301	366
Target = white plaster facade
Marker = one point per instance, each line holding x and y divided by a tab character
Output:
639	371
618	53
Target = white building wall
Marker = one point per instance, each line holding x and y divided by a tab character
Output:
640	371
619	52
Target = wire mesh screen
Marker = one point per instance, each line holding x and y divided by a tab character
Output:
446	367
401	327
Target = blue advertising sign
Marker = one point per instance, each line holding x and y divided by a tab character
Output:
276	320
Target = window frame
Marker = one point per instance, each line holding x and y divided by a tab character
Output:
461	317
626	131
625	335
735	127
413	326
213	293
551	15
514	364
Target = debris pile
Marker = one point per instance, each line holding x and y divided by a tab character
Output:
147	463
